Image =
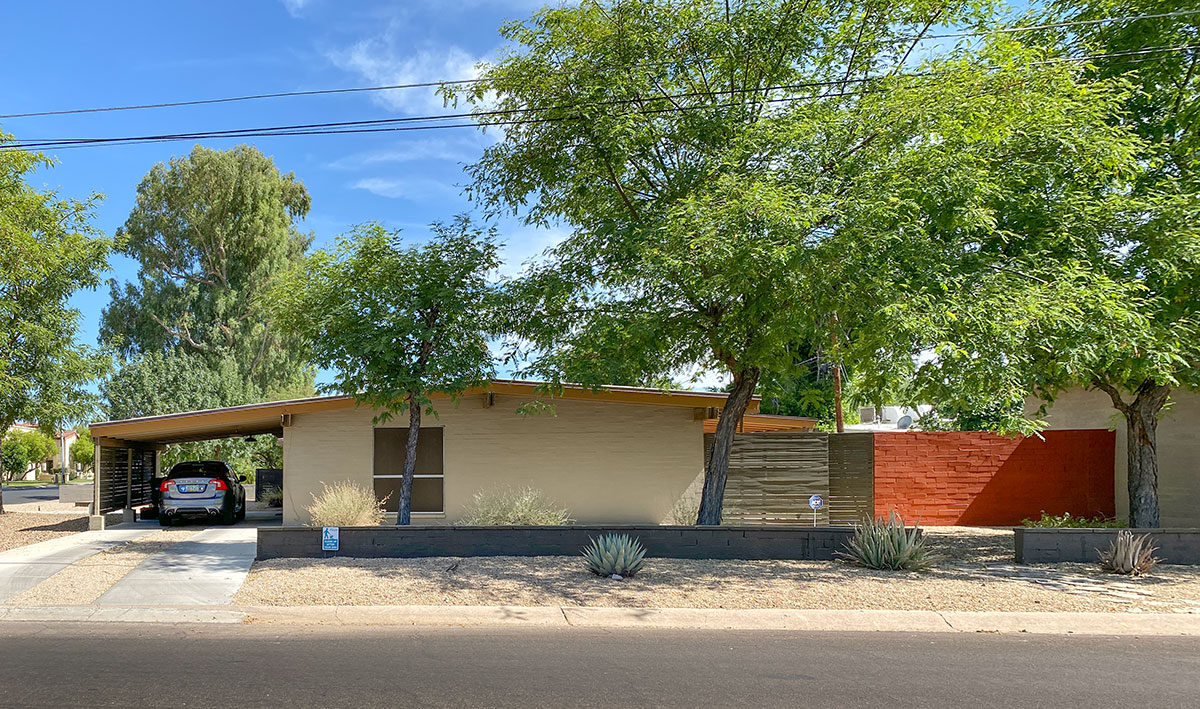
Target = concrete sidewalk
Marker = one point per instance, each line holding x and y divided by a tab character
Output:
25	567
1116	624
205	570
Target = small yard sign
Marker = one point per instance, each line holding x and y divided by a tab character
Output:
330	539
815	502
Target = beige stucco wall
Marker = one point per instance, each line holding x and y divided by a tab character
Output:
605	462
1178	448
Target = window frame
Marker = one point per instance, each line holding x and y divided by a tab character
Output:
416	476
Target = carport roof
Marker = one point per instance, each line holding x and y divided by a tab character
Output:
267	418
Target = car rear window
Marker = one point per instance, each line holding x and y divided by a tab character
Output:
198	468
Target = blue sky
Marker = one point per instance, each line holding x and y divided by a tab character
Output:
105	54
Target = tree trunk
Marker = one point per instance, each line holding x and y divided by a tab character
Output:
717	471
404	511
838	419
1141	431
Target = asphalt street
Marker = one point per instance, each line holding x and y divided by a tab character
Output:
137	665
17	495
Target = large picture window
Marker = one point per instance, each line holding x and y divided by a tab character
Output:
427	478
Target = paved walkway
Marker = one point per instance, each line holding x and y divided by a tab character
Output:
25	567
205	570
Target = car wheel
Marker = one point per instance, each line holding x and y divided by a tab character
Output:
164	520
241	515
228	513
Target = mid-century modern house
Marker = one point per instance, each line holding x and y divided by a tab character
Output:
621	454
630	455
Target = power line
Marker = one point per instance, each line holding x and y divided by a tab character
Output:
452	82
414	123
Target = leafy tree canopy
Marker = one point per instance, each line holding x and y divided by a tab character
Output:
48	251
209	231
396	322
82	450
741	176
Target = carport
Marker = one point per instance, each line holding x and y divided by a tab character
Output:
128	451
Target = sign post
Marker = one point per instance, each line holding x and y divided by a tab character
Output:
330	538
815	503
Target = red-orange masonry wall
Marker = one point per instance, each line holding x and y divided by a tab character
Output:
973	478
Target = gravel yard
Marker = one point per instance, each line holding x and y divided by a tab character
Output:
961	584
20	528
86	580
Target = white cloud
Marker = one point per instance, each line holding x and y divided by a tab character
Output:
296	7
376	60
524	244
416	189
460	149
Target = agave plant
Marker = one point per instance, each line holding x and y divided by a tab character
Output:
886	544
617	554
1129	555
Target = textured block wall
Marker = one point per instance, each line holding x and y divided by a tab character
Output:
974	478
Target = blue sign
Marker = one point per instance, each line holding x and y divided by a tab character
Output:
815	502
330	539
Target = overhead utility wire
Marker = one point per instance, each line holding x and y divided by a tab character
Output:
451	82
386	125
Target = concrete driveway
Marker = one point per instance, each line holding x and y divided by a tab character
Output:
25	567
205	570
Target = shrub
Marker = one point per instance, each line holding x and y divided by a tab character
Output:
685	511
617	554
272	496
345	504
511	506
1066	520
887	545
1129	555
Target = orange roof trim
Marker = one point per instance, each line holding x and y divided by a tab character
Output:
767	423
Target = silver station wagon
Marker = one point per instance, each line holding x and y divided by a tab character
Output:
201	489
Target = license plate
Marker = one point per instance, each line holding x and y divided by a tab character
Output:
192	488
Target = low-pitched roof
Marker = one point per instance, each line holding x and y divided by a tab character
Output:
266	418
767	423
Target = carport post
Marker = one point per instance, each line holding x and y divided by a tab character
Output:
95	518
128	515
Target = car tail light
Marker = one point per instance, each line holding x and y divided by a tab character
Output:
165	485
218	484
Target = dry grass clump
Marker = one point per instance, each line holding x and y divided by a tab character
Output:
345	504
511	506
272	496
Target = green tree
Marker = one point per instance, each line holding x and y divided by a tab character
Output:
209	231
14	456
731	170
25	448
1155	248
48	251
398	323
83	452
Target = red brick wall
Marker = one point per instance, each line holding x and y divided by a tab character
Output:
972	478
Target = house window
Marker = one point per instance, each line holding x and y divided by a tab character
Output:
427	478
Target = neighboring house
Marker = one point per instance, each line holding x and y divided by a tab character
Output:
1178	448
621	454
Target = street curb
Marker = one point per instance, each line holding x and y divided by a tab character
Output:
1049	623
111	614
730	619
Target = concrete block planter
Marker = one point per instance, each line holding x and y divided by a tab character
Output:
802	543
1044	545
